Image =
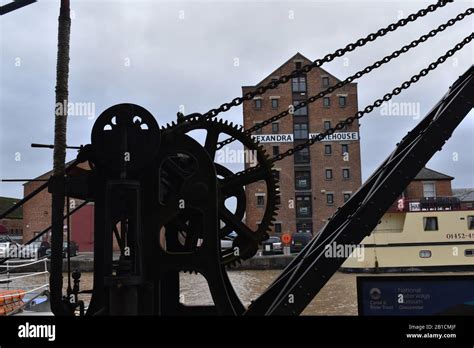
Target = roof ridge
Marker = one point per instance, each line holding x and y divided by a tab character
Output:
296	55
430	174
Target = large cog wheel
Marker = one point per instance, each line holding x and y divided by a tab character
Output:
231	185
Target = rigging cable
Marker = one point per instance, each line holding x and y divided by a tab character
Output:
353	77
326	59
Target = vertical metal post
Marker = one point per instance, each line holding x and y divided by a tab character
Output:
60	122
8	275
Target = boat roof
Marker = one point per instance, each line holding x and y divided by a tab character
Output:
430	174
464	194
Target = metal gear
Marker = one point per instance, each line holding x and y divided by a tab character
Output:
135	130
246	244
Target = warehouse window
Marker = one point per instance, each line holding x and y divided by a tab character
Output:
260	200
328	174
346	173
298	84
303	111
277	227
325	81
347	196
305	227
302	156
303	180
275	127
345	127
327	149
342	101
303	206
274	103
327	125
345	148
430	223
258	103
326	102
259	130
300	130
330	198
276	150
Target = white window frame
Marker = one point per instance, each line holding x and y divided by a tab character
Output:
434	188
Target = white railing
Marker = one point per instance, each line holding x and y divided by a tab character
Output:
10	277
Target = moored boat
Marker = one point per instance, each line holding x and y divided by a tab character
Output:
433	232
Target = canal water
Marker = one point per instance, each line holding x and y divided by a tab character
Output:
337	298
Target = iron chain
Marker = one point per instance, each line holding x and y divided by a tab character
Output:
378	102
317	63
357	75
329	57
368	108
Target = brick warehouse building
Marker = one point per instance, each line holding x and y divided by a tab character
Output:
12	225
37	215
315	182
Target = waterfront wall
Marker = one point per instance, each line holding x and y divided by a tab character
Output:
85	263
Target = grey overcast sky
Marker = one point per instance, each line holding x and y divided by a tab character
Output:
163	54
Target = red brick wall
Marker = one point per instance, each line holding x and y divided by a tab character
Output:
37	216
37	211
319	162
14	226
82	227
415	189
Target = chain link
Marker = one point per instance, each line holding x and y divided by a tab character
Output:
357	75
329	57
369	108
